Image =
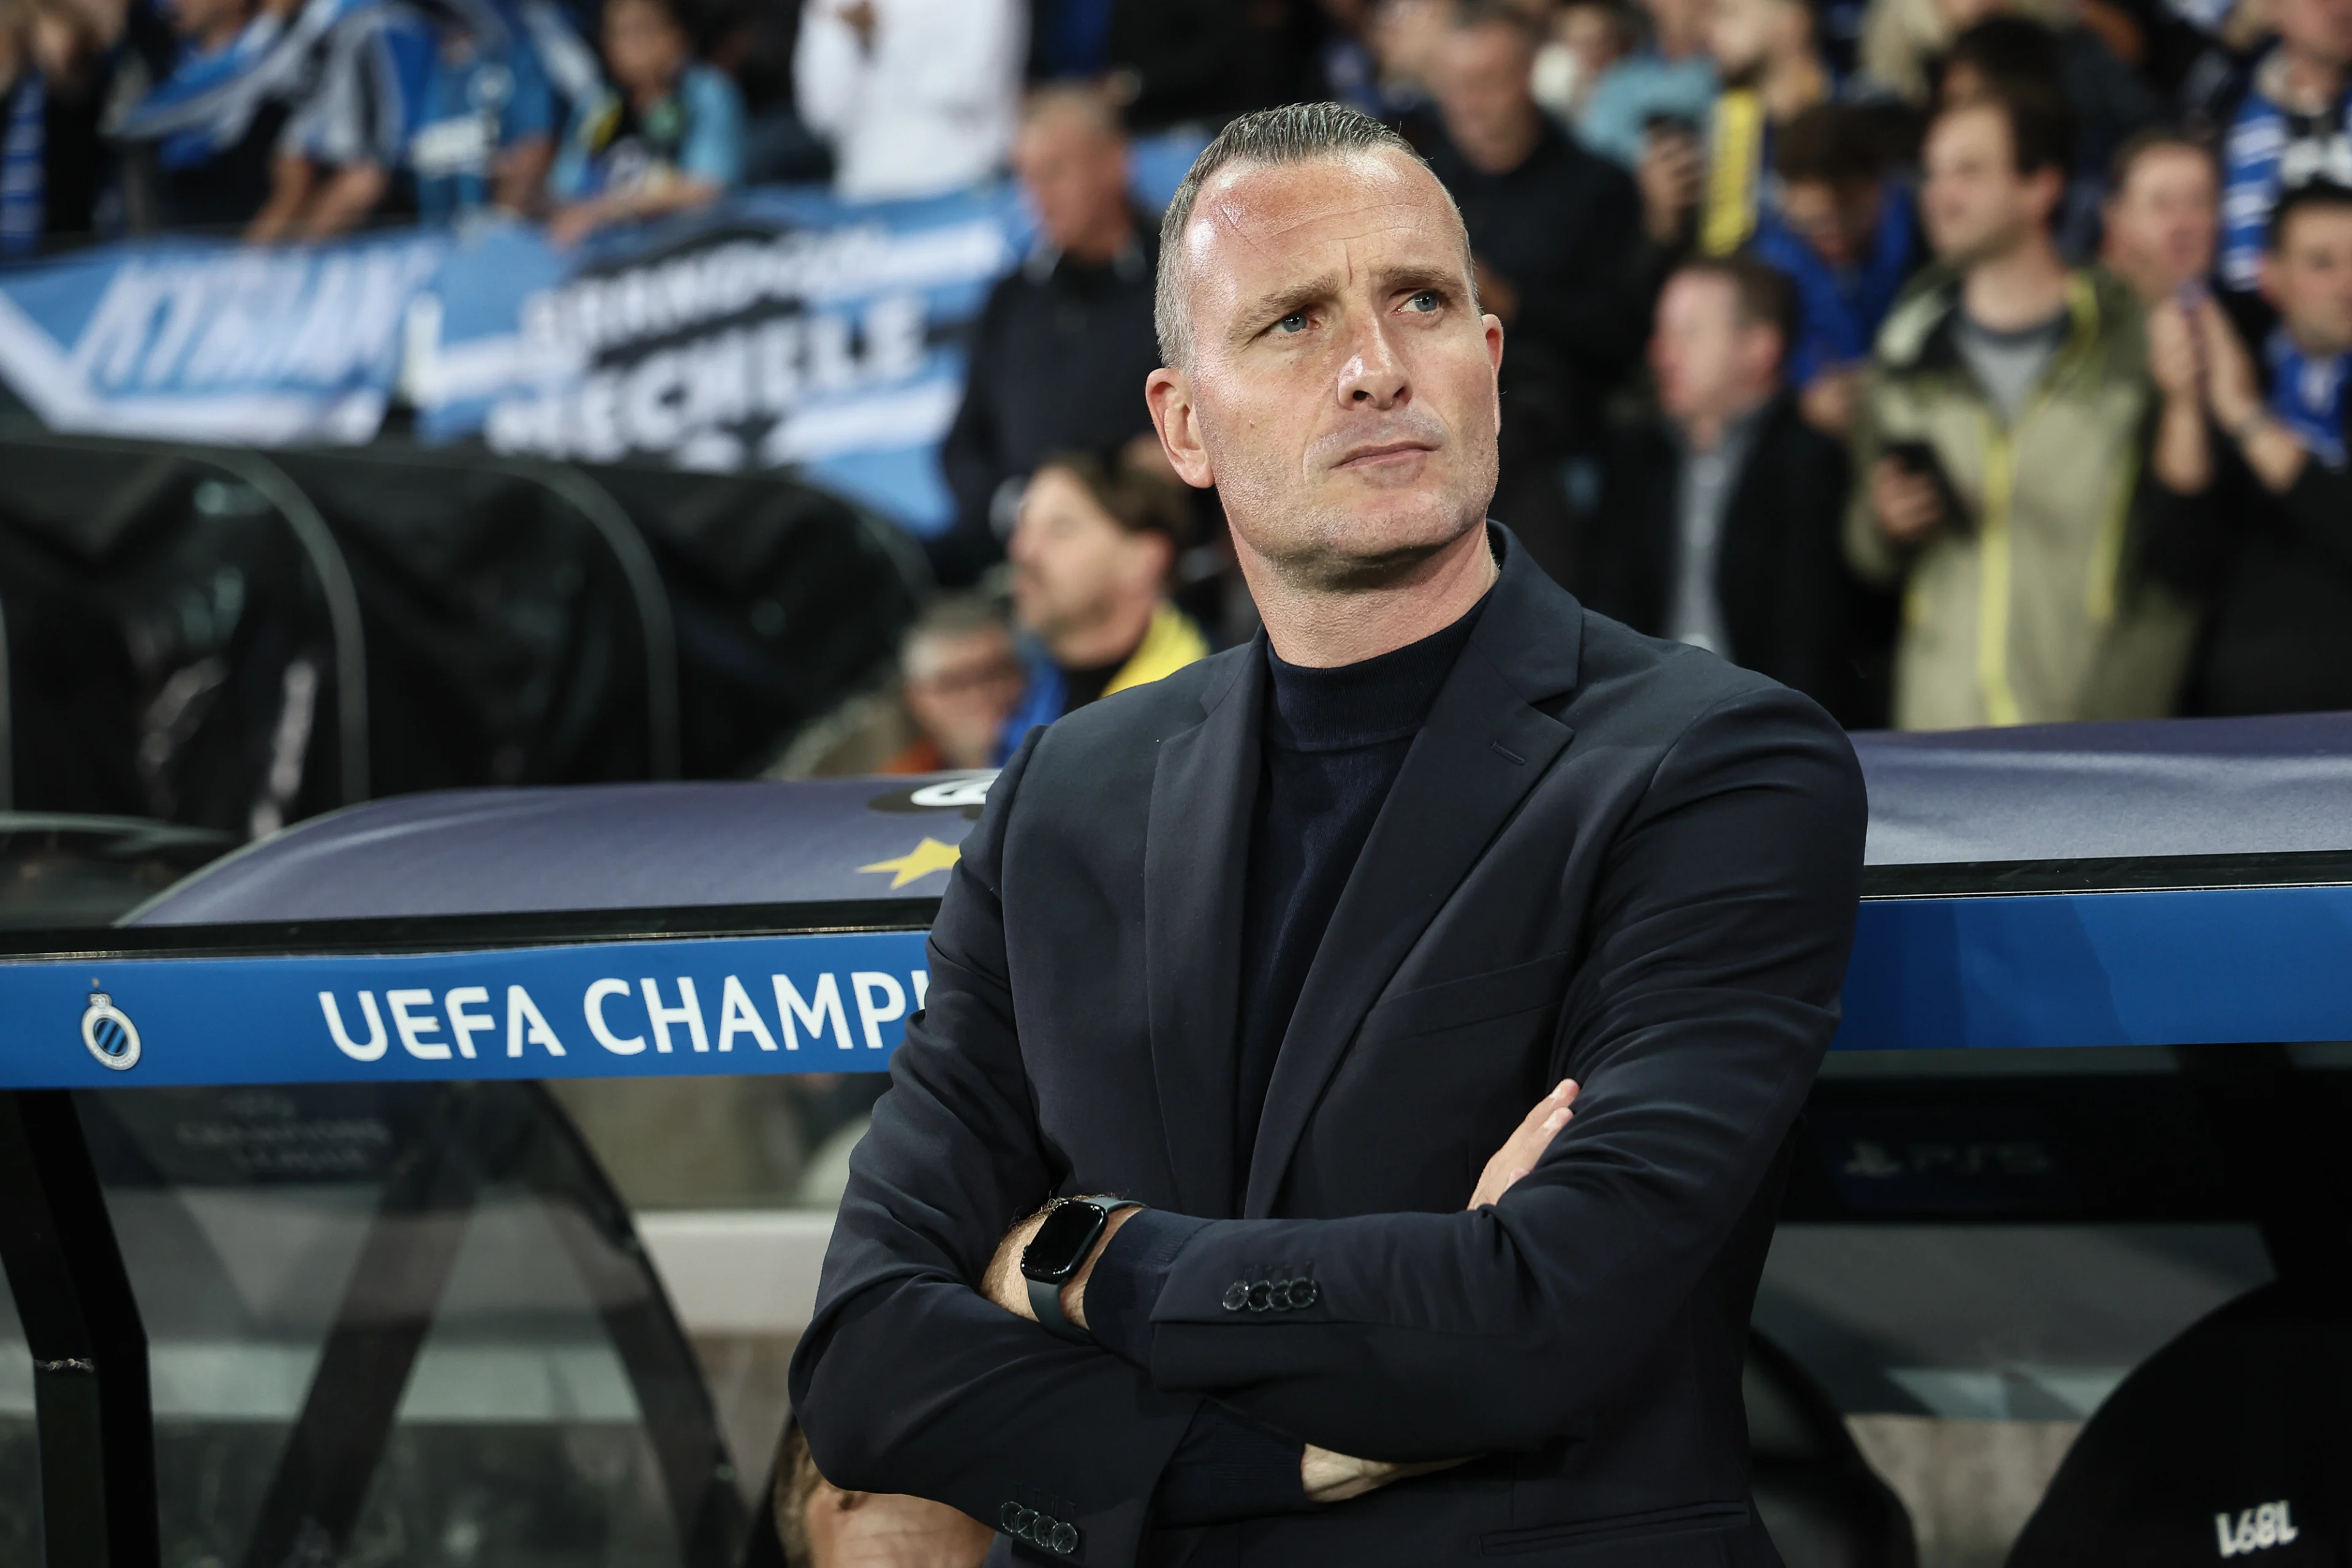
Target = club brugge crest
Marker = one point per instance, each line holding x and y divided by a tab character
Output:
110	1034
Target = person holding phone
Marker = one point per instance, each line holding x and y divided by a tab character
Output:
2007	479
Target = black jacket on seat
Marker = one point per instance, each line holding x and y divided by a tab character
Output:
2231	1441
1603	857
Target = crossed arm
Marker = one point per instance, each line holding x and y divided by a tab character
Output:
1324	1476
1715	946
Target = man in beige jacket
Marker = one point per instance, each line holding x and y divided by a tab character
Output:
2008	471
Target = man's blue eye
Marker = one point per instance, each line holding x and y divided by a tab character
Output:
1428	300
1294	323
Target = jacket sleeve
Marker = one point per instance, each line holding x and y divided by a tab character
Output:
909	1380
1696	1023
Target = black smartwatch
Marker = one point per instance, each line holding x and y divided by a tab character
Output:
1059	1250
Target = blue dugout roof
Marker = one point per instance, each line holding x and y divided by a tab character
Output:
2166	883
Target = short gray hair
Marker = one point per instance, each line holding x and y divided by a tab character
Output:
1292	133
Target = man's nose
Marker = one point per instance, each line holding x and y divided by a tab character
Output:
1373	375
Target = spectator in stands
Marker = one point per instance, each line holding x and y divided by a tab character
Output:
2294	126
53	81
1198	63
211	130
1772	71
1097	541
959	677
2163	217
2280	638
821	1526
1061	349
1553	234
917	97
1719	522
1847	236
2107	105
667	138
1996	454
347	130
1588	38
1669	83
486	121
24	102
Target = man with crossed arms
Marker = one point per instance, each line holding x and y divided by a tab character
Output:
1252	975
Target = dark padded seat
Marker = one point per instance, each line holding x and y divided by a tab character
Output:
2233	1442
1823	1504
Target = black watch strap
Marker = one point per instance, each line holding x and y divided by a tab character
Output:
1045	1300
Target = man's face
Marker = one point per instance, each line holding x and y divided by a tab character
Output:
1074	173
960	686
1593	35
1072	562
1480	81
1835	220
2161	225
2309	280
1706	360
1741	35
2320	28
1341	395
1977	205
645	49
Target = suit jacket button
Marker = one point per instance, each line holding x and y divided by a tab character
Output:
1261	1296
1236	1296
1302	1294
1064	1540
1013	1518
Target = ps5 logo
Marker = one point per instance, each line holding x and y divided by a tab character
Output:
2255	1528
110	1034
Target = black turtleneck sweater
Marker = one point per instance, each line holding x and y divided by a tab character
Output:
1332	743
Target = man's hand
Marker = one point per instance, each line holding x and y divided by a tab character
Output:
1335	1477
1523	1147
1829	400
1005	1285
1905	503
1668	176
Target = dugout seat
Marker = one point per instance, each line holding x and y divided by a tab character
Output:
1823	1504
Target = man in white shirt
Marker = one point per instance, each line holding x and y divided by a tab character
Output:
917	97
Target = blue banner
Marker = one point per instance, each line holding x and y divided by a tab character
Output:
781	329
2171	968
676	1007
211	341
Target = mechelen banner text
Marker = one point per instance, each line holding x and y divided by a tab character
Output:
828	1002
781	328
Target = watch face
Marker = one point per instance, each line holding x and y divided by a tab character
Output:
1062	1243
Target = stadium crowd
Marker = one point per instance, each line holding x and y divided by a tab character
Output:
1956	362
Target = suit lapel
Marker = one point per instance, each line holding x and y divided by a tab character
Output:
1195	860
1482	750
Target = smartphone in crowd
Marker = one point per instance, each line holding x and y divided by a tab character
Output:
1919	457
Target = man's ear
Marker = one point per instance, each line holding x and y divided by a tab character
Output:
2266	278
1494	329
1169	394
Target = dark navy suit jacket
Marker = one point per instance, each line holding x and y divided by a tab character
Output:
1606	858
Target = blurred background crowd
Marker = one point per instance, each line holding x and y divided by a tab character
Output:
1956	362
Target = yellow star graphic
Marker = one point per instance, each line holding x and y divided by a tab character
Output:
924	858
